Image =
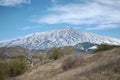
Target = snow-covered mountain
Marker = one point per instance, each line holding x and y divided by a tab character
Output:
59	38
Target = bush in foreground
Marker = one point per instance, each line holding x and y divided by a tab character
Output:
12	68
55	53
72	61
3	71
16	67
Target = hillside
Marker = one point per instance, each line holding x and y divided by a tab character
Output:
13	51
99	66
59	38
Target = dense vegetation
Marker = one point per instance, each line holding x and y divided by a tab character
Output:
13	67
57	53
104	47
3	71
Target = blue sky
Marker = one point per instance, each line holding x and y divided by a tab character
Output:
21	17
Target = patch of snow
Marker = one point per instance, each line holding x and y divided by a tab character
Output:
94	47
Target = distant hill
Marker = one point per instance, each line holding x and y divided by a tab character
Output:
13	51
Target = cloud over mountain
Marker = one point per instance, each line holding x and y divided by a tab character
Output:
103	14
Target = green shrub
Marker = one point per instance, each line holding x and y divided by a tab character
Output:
3	71
104	47
55	53
16	67
11	68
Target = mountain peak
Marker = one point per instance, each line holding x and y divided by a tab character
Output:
59	38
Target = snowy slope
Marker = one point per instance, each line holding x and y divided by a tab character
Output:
58	38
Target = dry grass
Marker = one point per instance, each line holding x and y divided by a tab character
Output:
100	66
95	64
43	72
72	61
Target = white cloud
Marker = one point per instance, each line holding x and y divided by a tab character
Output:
104	26
115	3
103	13
29	27
12	3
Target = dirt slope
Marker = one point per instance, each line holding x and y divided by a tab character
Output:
100	66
